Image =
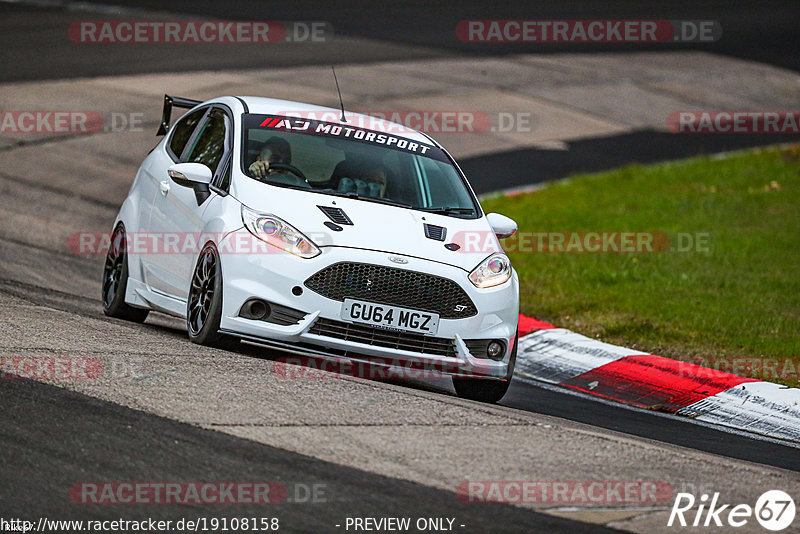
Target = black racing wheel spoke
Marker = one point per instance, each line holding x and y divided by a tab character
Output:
202	291
115	281
112	271
195	317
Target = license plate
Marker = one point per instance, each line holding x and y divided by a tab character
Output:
390	317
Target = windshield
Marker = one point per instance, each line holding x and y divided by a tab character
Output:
356	162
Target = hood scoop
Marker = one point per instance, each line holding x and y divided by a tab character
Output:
437	233
337	215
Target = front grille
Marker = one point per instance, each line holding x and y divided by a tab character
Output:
337	215
437	233
380	337
395	287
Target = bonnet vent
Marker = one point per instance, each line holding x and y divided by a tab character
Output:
437	233
337	215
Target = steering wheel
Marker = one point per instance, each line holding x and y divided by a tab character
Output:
290	168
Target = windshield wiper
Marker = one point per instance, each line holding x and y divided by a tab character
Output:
368	199
450	210
281	184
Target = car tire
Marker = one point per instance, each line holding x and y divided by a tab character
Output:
482	390
115	280
204	305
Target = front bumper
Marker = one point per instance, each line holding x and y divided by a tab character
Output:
272	276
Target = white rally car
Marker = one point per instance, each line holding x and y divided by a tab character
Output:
328	234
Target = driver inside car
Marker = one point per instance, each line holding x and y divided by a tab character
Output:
370	183
275	150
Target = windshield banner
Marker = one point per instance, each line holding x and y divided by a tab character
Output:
355	131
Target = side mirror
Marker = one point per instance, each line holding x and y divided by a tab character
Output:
190	174
502	226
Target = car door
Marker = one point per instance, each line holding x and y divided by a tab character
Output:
155	174
176	219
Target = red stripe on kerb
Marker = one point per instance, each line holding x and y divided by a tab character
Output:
654	382
529	324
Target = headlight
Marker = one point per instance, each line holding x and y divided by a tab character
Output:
278	233
492	271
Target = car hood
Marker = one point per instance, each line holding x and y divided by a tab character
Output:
380	227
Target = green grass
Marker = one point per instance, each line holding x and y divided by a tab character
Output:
741	298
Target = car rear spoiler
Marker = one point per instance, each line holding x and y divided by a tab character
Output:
176	101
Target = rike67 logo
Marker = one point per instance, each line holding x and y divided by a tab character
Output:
774	510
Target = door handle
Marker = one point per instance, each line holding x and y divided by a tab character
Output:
164	187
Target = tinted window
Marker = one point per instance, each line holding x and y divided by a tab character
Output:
209	145
182	131
358	163
225	182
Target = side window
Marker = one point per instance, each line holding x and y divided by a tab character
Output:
225	183
209	144
182	131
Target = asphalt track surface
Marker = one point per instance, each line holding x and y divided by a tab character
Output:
529	396
764	31
52	437
520	168
523	394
